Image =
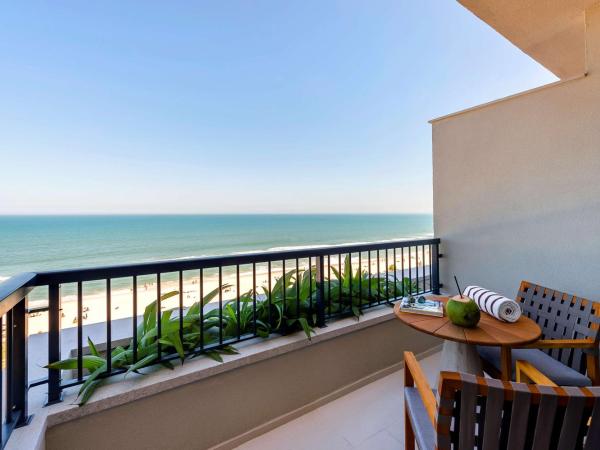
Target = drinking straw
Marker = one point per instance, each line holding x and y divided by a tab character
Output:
458	287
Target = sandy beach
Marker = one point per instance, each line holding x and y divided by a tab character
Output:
94	303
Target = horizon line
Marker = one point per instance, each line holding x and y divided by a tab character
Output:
216	214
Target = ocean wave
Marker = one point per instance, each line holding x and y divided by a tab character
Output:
345	244
179	258
300	247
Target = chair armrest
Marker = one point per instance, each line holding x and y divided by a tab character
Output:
562	343
414	376
527	372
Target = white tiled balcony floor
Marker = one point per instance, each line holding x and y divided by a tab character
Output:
371	417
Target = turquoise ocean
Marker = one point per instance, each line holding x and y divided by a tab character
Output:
37	243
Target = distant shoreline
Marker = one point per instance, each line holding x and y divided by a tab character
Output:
216	214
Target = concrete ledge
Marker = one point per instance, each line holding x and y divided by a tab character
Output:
120	390
121	393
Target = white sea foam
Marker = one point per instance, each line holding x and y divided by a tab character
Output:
179	258
296	247
288	248
344	244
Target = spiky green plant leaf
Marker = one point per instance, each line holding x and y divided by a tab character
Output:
92	347
145	361
212	354
229	350
88	391
89	362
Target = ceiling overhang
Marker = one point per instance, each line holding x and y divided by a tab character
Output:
550	31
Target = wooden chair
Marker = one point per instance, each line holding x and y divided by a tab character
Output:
489	414
568	349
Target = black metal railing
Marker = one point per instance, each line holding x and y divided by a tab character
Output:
191	306
13	353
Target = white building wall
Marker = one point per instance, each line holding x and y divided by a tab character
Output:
517	186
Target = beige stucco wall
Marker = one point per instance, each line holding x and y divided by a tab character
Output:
516	186
219	408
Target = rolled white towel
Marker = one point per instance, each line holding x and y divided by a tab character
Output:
494	304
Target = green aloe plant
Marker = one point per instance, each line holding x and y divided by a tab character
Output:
242	323
171	342
286	307
348	290
291	300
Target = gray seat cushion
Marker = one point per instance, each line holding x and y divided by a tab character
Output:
553	369
421	425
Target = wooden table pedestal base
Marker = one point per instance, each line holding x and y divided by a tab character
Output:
460	357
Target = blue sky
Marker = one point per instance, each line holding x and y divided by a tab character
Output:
237	106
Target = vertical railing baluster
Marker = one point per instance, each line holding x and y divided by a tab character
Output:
79	331
181	306
54	392
221	305
10	376
378	278
135	324
350	285
387	276
19	360
402	273
423	265
420	256
341	282
108	328
254	296
410	292
329	285
237	290
158	319
435	270
320	291
360	273
430	281
395	275
284	299
417	266
269	295
298	280
310	289
201	293
370	283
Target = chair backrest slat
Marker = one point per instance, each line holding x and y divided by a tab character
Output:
561	316
477	412
493	414
468	412
592	440
571	425
519	416
545	418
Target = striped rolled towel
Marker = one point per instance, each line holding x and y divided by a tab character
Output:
494	304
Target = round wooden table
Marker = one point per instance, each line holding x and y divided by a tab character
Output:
459	352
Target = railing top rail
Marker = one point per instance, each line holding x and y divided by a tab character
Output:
149	268
13	290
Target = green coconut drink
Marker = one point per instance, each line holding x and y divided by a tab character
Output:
463	311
